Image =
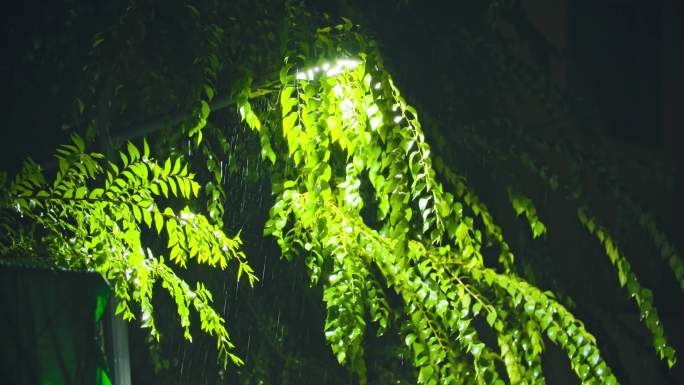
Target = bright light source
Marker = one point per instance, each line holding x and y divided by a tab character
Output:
372	110
328	69
339	92
333	71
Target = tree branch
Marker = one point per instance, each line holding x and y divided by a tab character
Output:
161	121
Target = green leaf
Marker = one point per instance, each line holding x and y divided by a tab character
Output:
283	74
172	184
96	193
81	192
461	231
341	356
267	153
124	159
147	216
476	308
137	214
465	301
78	141
409	339
422	203
252	120
538	229
286	100
204	109
158	221
288	122
176	166
491	317
133	152
376	122
209	91
425	373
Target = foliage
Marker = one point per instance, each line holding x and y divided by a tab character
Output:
421	243
94	218
376	208
627	279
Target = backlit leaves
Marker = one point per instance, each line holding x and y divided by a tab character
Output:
422	244
628	280
95	218
523	205
351	111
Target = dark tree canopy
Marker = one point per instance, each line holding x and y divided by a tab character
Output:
341	192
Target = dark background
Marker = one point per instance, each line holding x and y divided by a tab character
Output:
621	61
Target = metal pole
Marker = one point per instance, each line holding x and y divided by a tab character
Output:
118	333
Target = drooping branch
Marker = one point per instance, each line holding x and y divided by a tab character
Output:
172	119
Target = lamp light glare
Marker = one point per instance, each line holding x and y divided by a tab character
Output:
330	70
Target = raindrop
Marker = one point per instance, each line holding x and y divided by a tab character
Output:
204	363
263	273
249	341
180	376
225	299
